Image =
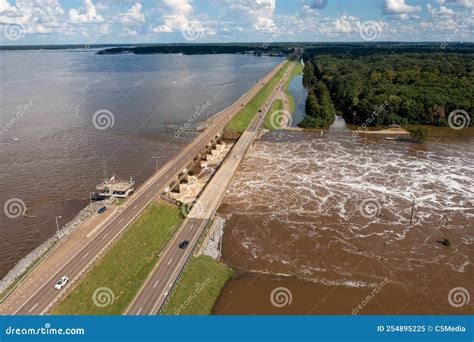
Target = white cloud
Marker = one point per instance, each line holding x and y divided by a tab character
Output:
441	12
176	17
463	3
89	15
131	33
133	16
258	14
399	7
344	24
37	16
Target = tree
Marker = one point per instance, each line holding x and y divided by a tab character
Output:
419	134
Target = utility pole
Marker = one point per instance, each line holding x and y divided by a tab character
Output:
156	162
90	201
412	211
383	251
57	225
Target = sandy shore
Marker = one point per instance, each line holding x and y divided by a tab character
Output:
388	131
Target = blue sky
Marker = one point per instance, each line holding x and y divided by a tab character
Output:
165	21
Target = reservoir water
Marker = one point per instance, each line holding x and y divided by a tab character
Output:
53	152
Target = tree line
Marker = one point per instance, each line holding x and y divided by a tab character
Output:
403	88
320	111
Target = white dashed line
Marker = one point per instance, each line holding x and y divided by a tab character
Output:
34	306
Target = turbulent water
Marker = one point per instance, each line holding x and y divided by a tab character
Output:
53	148
335	210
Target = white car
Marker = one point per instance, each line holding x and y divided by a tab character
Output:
61	283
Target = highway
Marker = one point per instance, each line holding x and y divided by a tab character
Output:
163	278
41	301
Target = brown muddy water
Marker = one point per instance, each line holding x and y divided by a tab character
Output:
53	153
320	224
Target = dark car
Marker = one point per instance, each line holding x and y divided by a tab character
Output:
102	209
183	244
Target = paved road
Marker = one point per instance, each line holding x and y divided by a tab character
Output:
159	284
43	298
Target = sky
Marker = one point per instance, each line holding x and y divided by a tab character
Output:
168	21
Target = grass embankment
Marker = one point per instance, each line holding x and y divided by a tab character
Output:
278	104
242	119
270	122
125	266
199	286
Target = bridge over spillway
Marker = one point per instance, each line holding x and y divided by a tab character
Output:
42	295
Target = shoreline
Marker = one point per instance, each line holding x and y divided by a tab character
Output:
27	264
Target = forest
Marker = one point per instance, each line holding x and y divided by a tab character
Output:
403	87
199	49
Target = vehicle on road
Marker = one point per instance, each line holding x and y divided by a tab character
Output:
236	156
183	244
61	283
102	209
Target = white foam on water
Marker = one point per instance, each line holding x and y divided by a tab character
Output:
311	188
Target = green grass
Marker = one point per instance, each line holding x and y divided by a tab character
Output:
297	69
119	201
269	123
243	118
126	265
198	287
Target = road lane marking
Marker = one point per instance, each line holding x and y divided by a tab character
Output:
138	312
169	262
156	284
85	255
34	306
105	236
157	179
